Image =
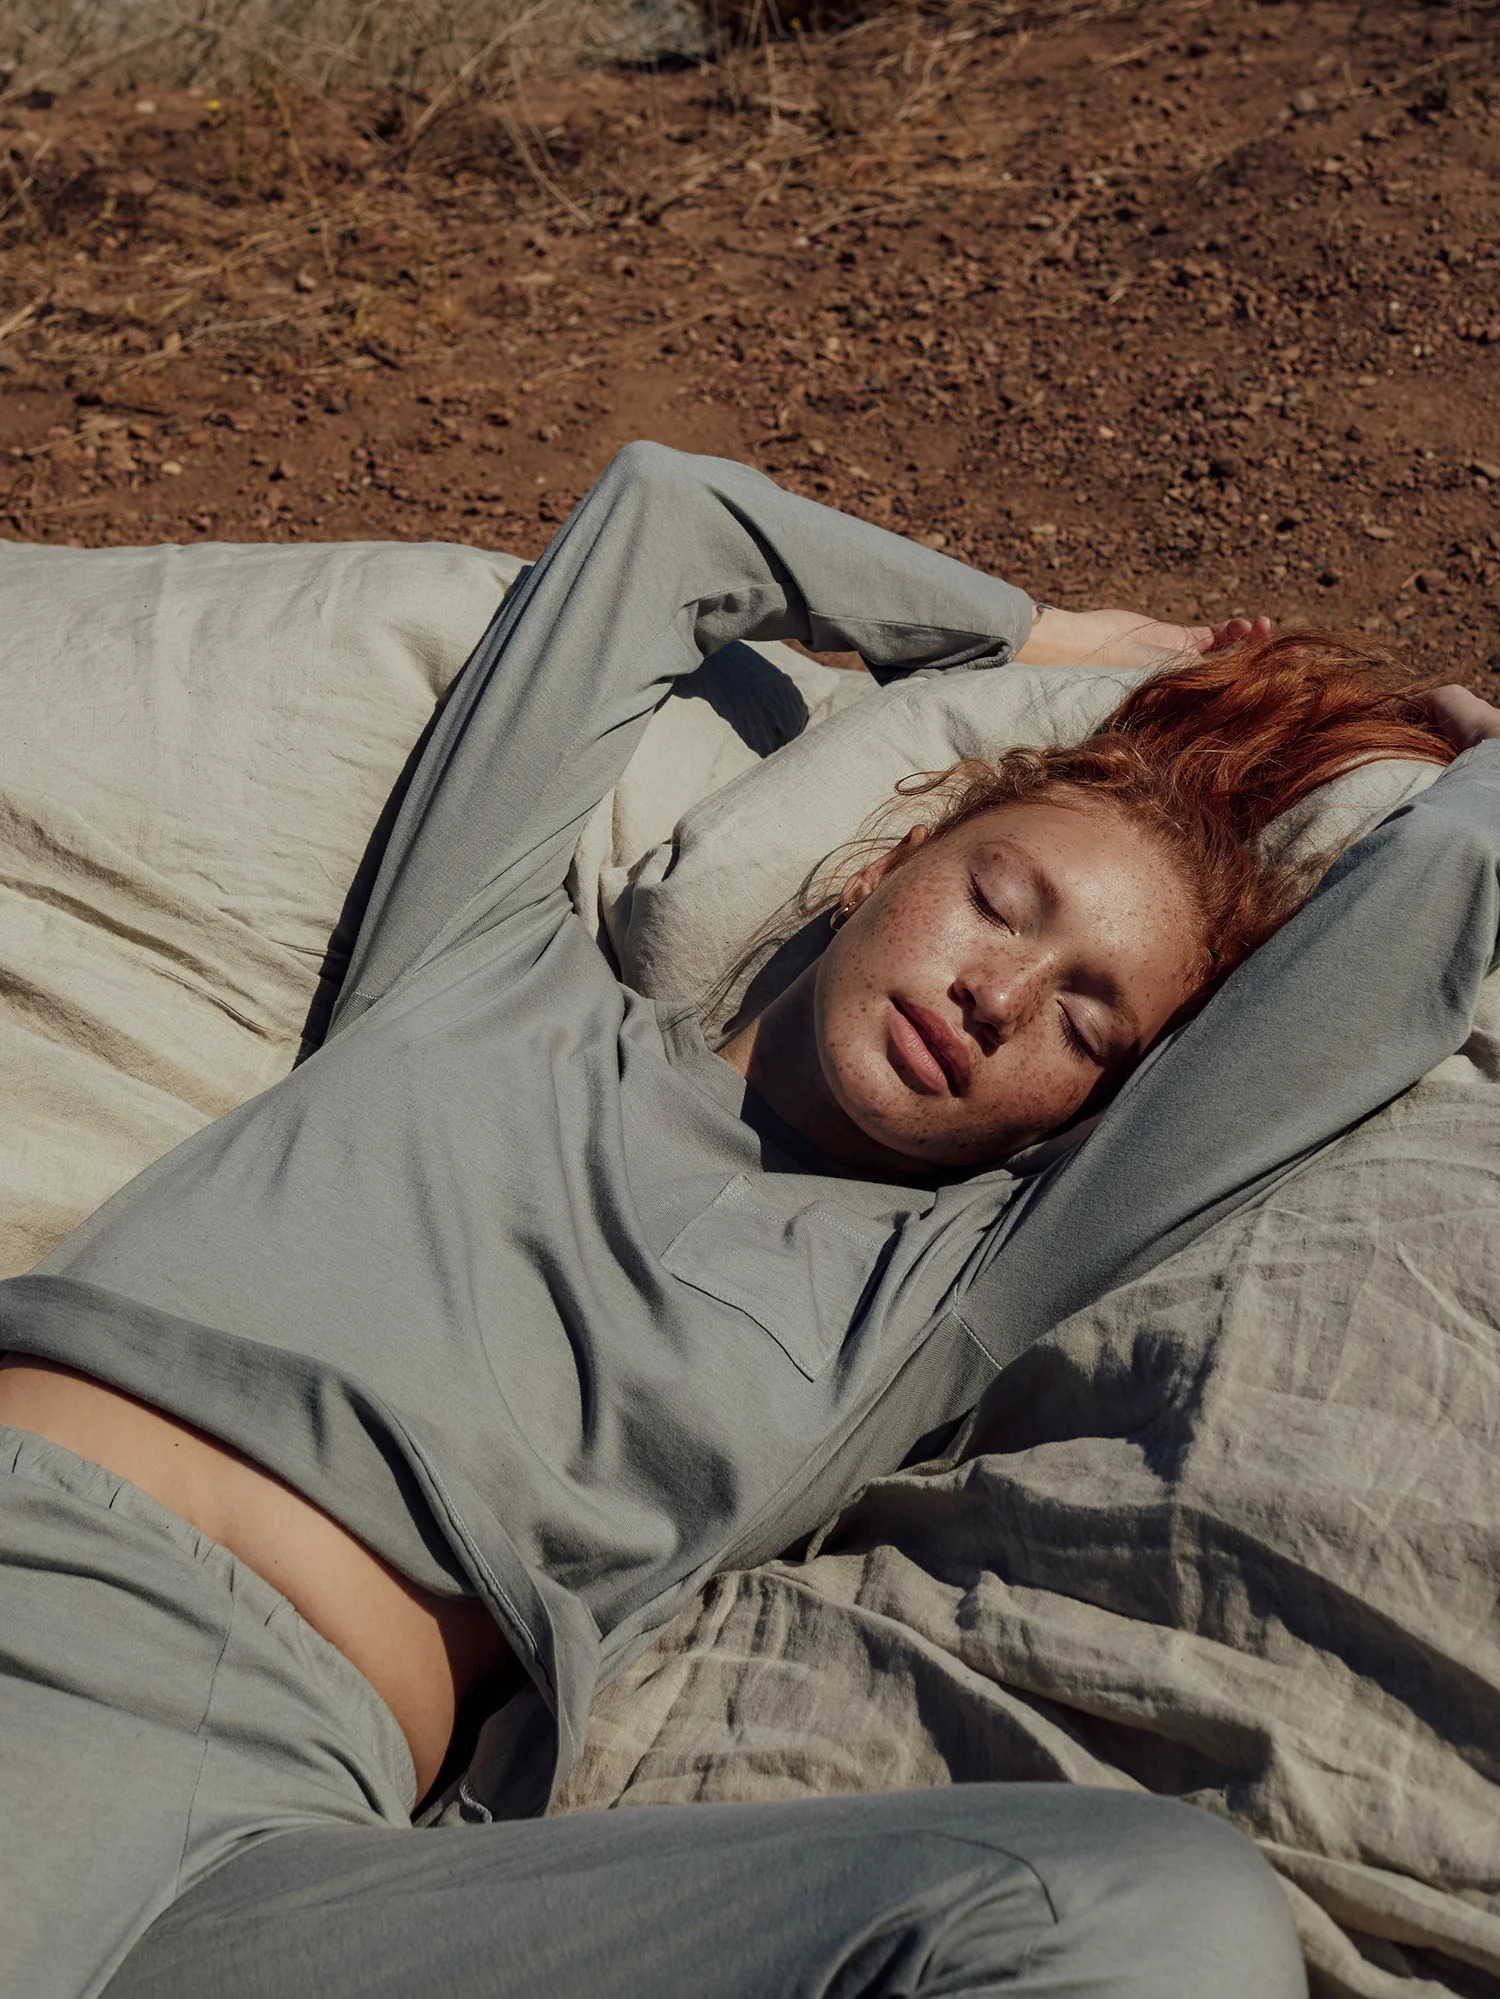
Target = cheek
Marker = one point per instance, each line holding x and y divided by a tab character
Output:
913	928
1032	1081
1163	992
876	953
849	1001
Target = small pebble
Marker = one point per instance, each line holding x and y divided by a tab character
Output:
1328	577
1224	465
1431	580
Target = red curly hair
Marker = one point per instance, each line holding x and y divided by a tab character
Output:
1206	755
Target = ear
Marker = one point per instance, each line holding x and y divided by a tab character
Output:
862	886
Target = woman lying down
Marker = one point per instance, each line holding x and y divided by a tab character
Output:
472	1348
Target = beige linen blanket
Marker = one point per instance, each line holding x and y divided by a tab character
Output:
1231	1535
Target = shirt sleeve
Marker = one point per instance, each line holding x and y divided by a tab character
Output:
1371	984
666	559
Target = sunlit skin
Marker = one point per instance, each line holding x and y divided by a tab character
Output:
989	984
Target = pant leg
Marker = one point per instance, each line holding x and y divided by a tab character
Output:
159	1703
1020	1889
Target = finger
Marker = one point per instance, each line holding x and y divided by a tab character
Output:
1224	635
1235	631
1460	715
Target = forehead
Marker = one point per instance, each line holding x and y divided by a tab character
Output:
1094	871
1089	832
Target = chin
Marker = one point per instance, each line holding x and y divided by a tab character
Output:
866	1089
883	1111
885	1117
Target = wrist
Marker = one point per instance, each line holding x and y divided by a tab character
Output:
1052	640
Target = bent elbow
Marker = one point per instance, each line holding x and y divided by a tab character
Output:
646	467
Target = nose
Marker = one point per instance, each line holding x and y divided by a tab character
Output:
998	997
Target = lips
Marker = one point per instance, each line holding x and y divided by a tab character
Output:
932	1055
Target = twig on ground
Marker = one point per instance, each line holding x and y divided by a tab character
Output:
462	75
21	316
542	179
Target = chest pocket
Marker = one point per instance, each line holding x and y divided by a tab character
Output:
800	1273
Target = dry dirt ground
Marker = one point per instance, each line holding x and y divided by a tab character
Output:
1187	306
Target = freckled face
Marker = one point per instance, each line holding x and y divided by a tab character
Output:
989	982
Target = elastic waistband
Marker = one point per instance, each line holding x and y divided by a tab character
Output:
38	1461
29	1462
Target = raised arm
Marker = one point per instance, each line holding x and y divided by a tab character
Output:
1368	987
665	560
1125	638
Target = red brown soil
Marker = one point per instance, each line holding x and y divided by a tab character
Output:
1187	307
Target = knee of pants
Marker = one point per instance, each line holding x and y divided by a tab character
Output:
1180	1906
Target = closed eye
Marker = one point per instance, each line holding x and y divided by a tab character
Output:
983	904
1076	1041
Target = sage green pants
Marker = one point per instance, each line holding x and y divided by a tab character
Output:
201	1799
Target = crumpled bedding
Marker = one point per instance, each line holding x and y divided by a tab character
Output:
1232	1534
194	746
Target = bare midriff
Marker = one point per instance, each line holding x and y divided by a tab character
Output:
421	1652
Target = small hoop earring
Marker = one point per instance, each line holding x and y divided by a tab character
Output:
838	916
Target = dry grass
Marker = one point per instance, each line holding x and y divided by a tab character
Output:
326	101
421	46
425	47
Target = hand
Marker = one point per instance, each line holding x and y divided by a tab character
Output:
1126	639
1462	716
1217	638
